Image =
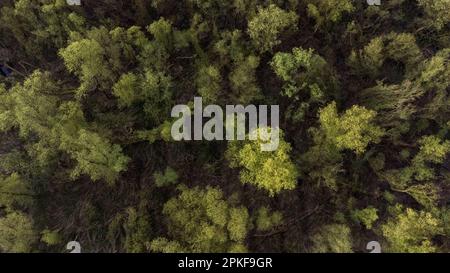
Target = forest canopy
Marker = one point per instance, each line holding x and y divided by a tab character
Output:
86	151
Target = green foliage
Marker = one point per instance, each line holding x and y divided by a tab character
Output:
153	90
86	59
243	81
363	94
14	191
266	220
33	108
325	11
353	130
397	47
131	229
271	171
366	216
268	24
51	238
17	234
169	177
209	83
437	11
394	103
306	75
6	110
200	220
47	22
127	90
96	157
412	232
137	230
334	238
431	150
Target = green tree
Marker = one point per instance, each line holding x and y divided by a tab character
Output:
268	24
100	56
308	80
353	130
266	220
17	233
398	47
366	216
412	232
153	91
38	26
304	71
437	12
394	104
334	238
433	76
209	83
137	230
200	220
325	11
169	177
96	157
243	81
14	191
51	238
270	171
417	178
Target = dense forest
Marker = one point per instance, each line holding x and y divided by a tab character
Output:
86	152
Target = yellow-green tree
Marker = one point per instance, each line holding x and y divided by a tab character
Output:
412	232
270	171
268	24
201	220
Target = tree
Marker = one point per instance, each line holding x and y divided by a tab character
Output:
169	177
270	171
47	22
437	12
87	59
431	150
334	238
397	47
366	216
7	120
96	157
100	56
209	83
200	220
17	233
51	238
267	25
153	91
434	75
32	105
304	71
394	103
137	230
243	81
353	130
412	232
14	191
266	220
243	64
308	80
325	11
